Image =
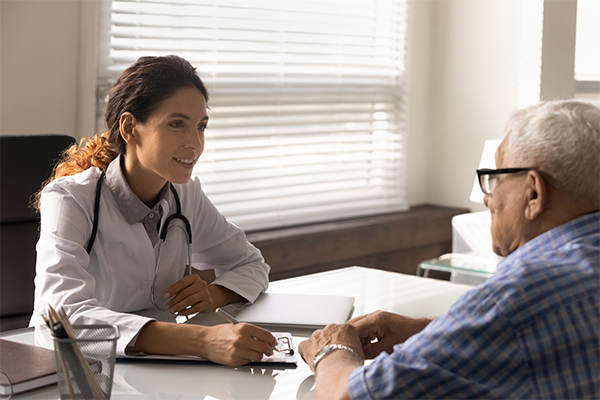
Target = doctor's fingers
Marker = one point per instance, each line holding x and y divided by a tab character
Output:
234	345
186	303
244	342
241	356
258	334
252	340
185	282
192	299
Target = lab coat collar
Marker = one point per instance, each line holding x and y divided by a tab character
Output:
133	209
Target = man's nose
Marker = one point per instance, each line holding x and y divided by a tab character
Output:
486	199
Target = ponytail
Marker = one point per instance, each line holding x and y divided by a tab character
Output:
96	151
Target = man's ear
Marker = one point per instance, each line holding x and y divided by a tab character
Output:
537	195
126	127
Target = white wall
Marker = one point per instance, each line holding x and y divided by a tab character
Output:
465	80
462	83
473	78
39	66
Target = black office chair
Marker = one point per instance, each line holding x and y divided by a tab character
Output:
26	161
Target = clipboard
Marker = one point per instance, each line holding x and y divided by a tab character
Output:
284	359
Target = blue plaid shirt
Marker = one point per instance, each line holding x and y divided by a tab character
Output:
531	331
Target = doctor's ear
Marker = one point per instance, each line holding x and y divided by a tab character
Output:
127	124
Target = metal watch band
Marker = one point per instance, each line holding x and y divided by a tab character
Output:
330	348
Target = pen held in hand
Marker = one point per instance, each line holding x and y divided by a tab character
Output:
229	318
226	316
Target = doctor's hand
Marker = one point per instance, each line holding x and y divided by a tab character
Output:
381	331
190	295
237	344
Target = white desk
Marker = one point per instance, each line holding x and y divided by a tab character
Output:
373	290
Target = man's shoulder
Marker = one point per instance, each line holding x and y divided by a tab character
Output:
537	284
570	252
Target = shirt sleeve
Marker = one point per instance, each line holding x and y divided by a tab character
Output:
62	279
220	245
471	351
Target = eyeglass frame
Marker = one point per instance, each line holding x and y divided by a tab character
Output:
488	171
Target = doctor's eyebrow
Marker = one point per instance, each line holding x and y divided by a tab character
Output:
184	116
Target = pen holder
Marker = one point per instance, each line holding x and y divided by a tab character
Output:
86	364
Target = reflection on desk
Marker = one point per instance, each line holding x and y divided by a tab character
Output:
373	290
218	381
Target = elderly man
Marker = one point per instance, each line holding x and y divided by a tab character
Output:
532	330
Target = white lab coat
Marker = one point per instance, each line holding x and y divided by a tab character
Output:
115	279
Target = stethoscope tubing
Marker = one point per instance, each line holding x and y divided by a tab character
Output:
162	234
160	245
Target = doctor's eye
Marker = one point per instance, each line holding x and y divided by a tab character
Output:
177	124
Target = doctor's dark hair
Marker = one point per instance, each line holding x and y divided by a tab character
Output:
138	90
141	87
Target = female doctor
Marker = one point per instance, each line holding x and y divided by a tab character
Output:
109	203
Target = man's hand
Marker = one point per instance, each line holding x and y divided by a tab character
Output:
381	331
335	368
332	334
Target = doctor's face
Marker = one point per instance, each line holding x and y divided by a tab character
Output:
168	145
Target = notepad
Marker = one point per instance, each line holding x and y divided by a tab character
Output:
28	367
298	310
278	359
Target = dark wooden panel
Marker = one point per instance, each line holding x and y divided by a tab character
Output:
394	242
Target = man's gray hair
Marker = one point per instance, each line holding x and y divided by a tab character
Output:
562	139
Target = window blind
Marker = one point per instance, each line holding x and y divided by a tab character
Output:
308	100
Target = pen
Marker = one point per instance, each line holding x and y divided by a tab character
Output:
226	316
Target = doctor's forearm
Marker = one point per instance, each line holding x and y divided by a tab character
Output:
222	296
168	338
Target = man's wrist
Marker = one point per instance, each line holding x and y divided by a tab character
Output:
330	348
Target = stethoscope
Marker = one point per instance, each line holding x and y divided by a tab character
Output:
162	234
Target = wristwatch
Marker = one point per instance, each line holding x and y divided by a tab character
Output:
330	348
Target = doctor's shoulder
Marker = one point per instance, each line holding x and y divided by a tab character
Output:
191	193
81	187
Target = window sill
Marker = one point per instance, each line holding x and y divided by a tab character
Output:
393	242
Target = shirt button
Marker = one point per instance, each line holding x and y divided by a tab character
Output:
151	215
144	285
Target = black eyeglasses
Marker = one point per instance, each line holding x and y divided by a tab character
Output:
487	177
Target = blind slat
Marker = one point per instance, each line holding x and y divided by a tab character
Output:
307	117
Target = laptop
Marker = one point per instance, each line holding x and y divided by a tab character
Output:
308	311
